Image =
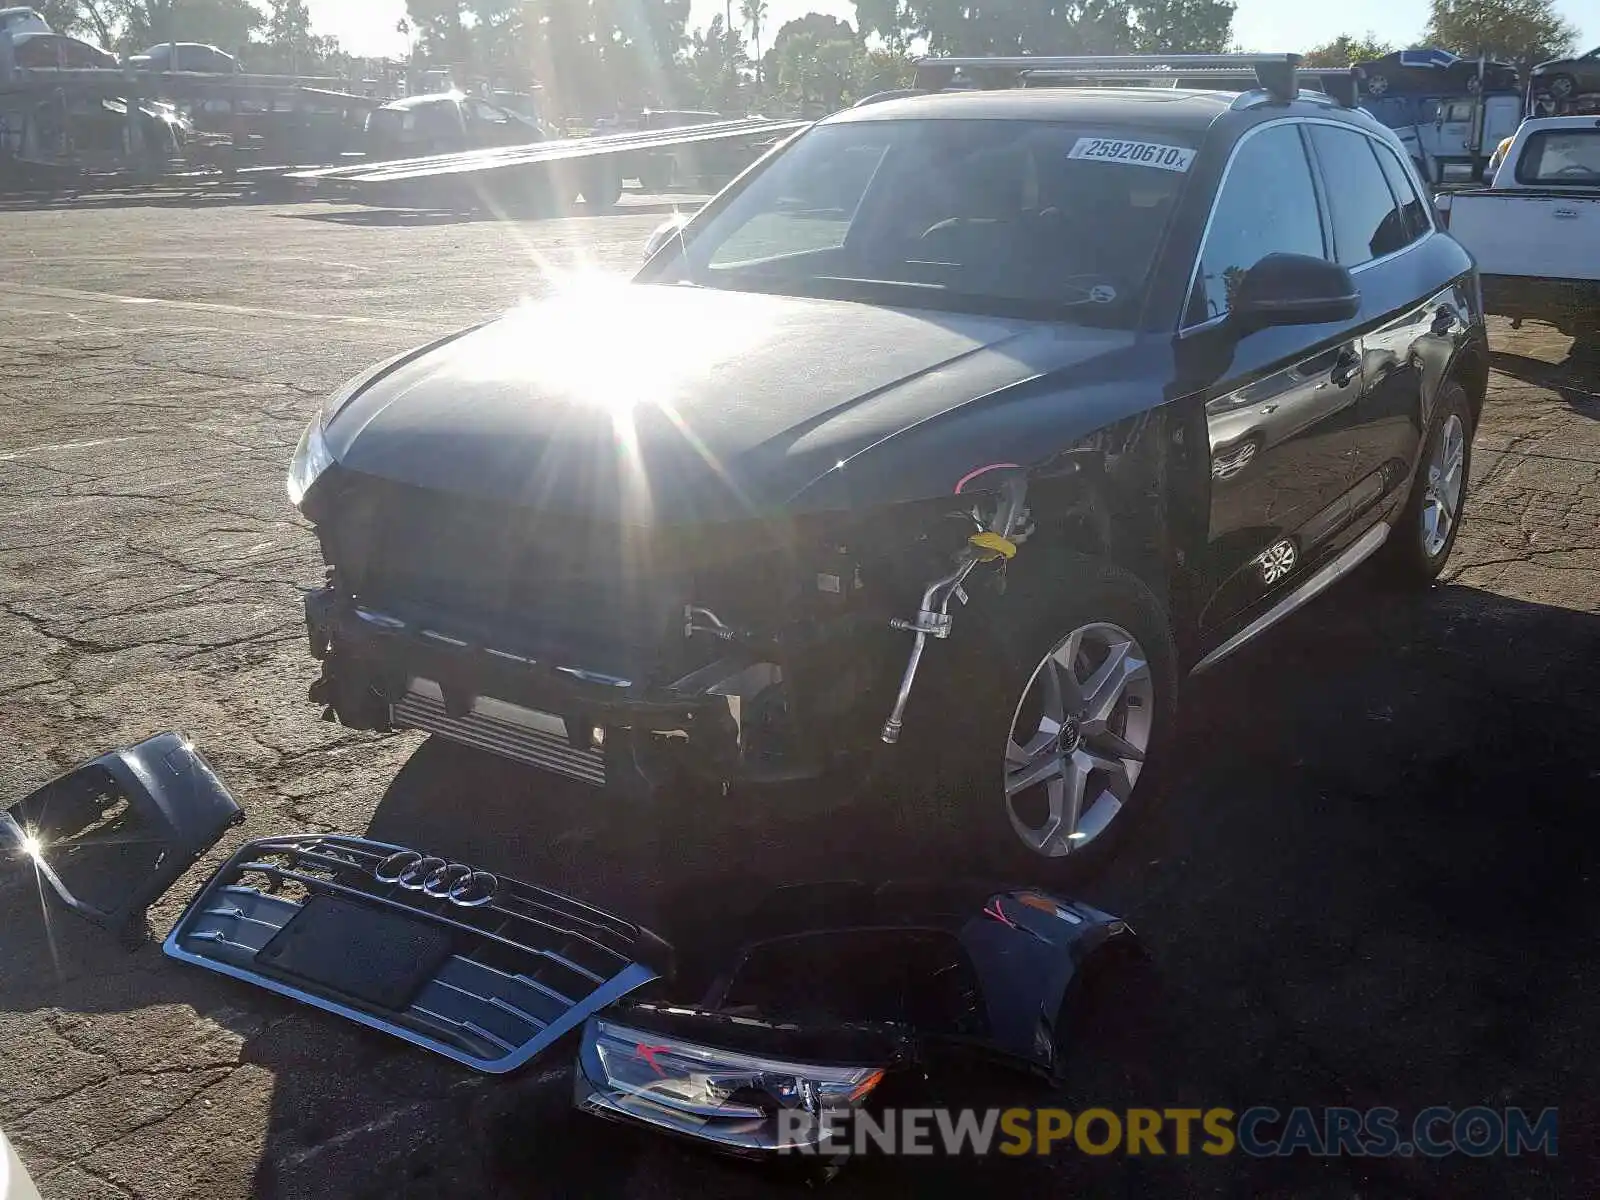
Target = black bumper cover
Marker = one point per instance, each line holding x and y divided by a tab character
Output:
380	655
109	837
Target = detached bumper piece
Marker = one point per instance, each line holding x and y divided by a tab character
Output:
109	837
482	969
843	987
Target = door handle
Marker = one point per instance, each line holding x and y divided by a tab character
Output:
1345	369
1444	320
1566	214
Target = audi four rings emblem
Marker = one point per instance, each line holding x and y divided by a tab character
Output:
437	878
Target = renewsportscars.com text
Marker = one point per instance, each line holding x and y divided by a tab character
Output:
1259	1132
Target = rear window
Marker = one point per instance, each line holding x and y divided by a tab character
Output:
1561	157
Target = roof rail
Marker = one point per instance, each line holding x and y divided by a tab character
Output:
1275	72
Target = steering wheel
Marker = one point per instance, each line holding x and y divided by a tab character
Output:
1087	287
1577	169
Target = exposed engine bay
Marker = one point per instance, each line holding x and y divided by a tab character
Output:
755	651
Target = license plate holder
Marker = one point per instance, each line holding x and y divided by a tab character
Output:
366	953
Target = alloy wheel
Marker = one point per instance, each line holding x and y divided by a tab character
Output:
1078	739
1445	482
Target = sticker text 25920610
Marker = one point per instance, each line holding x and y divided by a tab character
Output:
1144	154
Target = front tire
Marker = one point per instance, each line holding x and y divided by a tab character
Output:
1046	725
1425	533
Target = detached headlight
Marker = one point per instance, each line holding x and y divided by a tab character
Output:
311	458
739	1101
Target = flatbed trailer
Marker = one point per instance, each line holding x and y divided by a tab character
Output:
233	106
547	174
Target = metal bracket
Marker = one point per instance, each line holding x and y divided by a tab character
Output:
933	617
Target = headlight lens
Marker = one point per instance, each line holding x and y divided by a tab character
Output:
311	458
719	1095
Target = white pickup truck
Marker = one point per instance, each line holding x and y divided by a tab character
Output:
1535	229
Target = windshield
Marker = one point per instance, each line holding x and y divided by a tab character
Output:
1025	218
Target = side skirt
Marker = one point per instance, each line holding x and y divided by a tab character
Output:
1348	560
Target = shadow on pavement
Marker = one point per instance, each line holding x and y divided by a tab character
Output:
218	194
1576	379
1372	885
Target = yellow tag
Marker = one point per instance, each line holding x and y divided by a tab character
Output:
997	546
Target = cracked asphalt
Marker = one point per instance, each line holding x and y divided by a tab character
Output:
1374	884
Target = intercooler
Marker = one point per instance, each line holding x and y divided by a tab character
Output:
509	730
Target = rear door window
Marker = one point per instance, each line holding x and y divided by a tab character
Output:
1367	221
1414	209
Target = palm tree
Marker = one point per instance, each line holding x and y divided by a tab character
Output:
753	12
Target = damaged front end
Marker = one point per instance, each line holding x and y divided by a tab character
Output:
744	652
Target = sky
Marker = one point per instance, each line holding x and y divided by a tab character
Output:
367	27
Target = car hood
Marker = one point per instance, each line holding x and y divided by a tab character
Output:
657	402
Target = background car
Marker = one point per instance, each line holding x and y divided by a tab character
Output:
47	50
439	124
1564	78
1435	72
186	56
23	20
14	1181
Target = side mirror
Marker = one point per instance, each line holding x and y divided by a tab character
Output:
664	233
1294	289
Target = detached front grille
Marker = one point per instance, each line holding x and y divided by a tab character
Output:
480	968
508	730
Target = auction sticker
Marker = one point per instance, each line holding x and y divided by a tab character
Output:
1144	154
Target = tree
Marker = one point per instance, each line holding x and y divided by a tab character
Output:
289	33
1346	49
1050	26
440	31
817	73
75	17
824	27
1522	32
224	23
888	70
753	12
1176	26
715	57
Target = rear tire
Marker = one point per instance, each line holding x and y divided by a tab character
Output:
1562	86
656	173
602	187
1425	532
979	724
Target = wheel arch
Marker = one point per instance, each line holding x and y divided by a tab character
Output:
1109	501
1470	368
